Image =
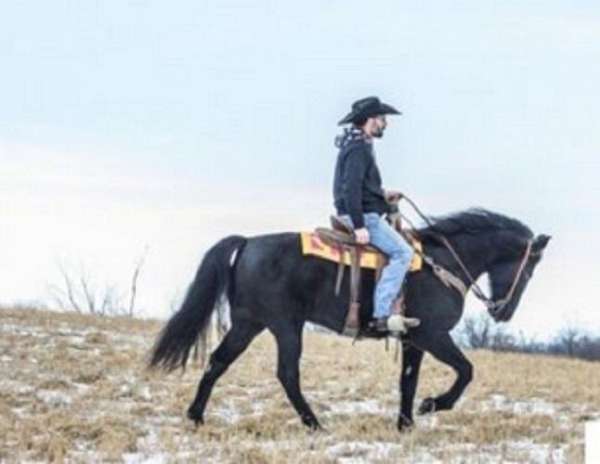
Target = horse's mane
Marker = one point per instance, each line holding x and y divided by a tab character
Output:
472	221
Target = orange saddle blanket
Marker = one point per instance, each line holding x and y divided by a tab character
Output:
313	245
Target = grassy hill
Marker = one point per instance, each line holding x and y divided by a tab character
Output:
75	388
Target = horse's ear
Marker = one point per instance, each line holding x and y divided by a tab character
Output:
540	242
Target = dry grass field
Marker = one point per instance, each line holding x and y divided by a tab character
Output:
74	389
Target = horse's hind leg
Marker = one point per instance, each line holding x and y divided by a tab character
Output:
238	338
443	348
289	345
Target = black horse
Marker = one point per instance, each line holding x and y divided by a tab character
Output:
270	284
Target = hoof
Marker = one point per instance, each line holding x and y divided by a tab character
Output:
427	406
316	428
195	417
310	421
313	426
404	423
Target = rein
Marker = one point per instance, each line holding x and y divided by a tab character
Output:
494	307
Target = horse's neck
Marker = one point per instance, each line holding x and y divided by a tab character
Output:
475	253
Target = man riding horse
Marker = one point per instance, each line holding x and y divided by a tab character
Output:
361	202
271	285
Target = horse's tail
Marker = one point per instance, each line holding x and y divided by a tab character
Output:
212	280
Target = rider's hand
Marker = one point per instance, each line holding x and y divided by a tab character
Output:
393	196
362	236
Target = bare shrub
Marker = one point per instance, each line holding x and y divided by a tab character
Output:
480	332
477	331
81	293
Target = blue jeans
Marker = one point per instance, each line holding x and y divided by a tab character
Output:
399	252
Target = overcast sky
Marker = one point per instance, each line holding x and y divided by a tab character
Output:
168	125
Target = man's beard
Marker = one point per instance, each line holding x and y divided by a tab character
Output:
378	132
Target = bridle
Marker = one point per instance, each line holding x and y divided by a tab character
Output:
494	307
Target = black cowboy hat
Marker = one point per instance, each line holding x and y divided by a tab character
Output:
366	108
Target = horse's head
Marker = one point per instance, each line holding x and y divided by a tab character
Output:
492	243
510	272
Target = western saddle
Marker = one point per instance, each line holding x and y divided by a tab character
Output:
341	237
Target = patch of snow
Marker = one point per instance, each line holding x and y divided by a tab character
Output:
142	458
497	402
360	452
541	453
136	390
13	386
142	392
76	340
430	421
533	406
81	387
360	407
54	397
24	389
20	412
228	413
161	420
27	331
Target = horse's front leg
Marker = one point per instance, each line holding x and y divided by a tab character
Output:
443	348
409	377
